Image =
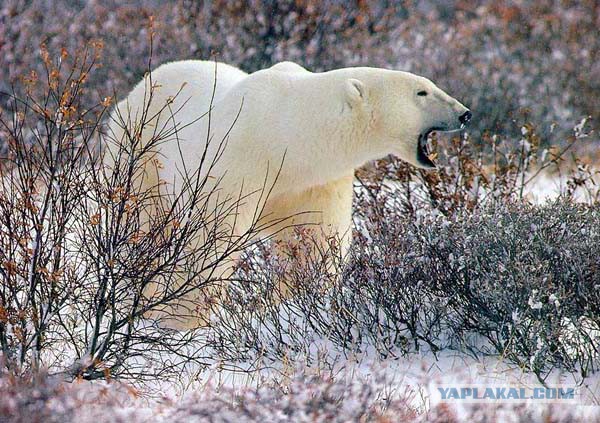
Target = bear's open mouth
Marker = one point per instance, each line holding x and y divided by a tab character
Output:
423	153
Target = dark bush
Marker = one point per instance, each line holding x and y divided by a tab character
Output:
498	57
516	281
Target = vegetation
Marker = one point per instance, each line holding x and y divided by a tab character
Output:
462	258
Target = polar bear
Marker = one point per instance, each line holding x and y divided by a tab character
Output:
312	130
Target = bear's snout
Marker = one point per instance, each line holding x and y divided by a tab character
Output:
465	118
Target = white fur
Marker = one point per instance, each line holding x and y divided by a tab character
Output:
318	127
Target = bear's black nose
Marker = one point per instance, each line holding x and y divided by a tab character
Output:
465	117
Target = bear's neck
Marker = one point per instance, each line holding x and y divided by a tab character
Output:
334	139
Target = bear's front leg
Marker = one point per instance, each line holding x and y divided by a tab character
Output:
326	212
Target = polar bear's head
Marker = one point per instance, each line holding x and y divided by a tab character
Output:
403	109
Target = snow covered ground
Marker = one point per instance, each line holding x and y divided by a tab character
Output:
356	381
357	389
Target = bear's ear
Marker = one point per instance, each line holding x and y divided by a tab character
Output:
355	91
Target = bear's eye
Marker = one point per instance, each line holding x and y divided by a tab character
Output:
422	93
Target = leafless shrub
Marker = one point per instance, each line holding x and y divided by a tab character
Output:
83	243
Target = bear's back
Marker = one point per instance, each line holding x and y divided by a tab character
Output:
182	88
181	81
